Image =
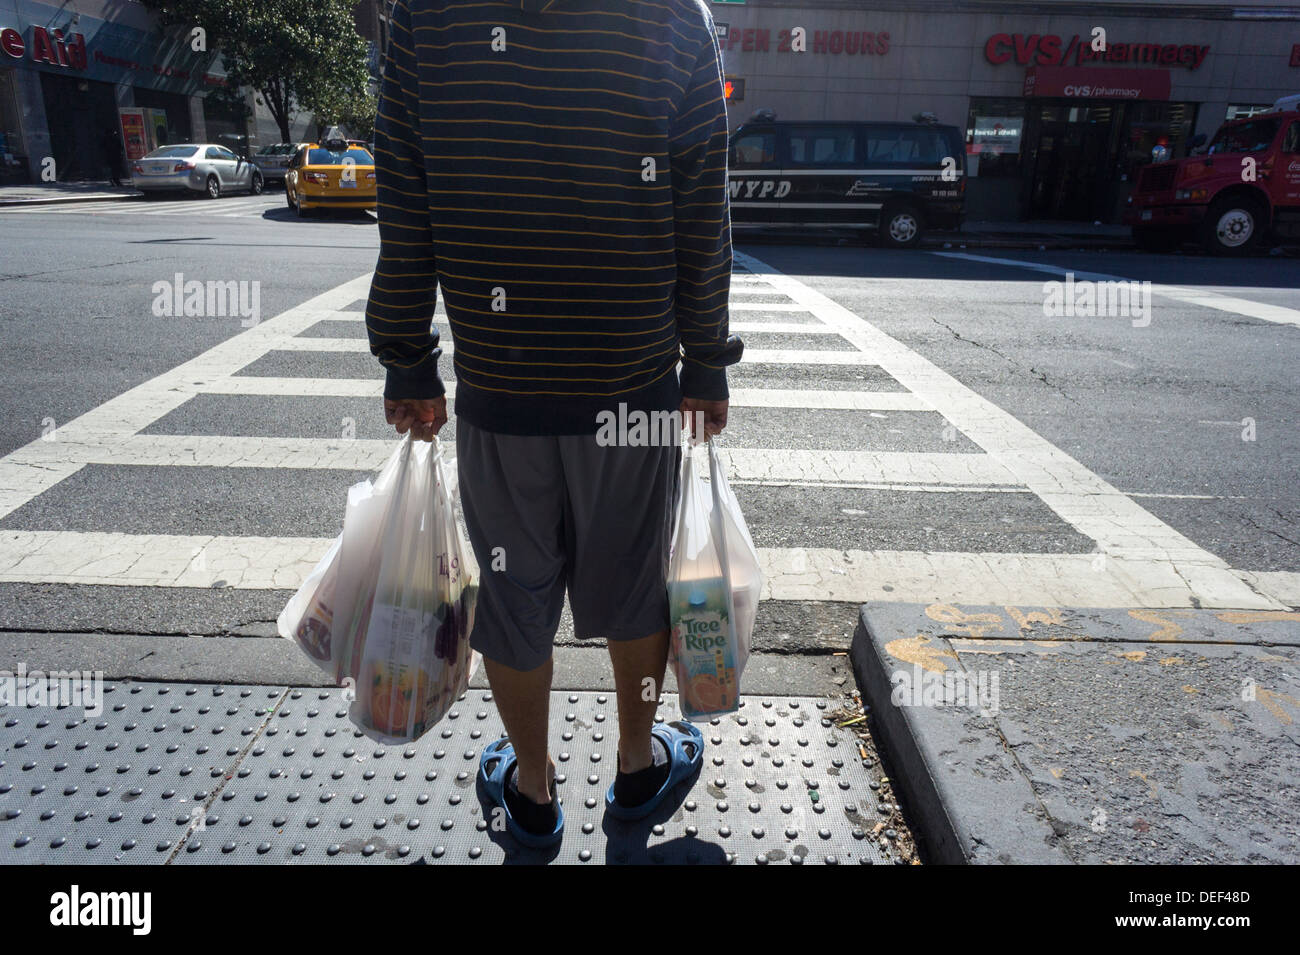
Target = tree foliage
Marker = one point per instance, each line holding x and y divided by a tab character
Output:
295	54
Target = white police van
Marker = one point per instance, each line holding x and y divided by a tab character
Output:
894	180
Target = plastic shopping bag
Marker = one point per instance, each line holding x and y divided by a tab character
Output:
396	595
323	616
714	581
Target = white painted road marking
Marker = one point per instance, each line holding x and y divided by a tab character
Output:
1141	562
1121	528
1190	296
282	563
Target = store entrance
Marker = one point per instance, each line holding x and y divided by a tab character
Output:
1070	153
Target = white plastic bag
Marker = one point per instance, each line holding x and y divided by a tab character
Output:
395	595
324	615
713	585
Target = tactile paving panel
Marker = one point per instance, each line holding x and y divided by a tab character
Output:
210	774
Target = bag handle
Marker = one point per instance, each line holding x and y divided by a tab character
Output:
717	527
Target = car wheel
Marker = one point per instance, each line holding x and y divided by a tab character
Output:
900	227
1232	226
288	196
1149	239
256	186
214	187
302	213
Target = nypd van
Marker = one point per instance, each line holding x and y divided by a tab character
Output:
894	180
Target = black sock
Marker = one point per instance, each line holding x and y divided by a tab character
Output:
634	789
539	820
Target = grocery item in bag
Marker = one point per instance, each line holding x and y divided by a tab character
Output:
713	587
416	658
389	607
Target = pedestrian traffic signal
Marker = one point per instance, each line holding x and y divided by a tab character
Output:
735	89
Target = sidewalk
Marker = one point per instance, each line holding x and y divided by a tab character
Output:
55	192
1092	736
234	773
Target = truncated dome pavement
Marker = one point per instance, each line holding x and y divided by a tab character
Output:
186	773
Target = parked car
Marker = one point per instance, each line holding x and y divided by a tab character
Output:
1244	186
195	167
893	180
273	160
330	175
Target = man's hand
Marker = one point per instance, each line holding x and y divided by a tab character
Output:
423	417
713	414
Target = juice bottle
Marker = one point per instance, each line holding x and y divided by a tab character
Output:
704	647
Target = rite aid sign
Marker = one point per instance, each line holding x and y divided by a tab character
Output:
45	47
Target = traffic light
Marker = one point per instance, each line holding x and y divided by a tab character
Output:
735	89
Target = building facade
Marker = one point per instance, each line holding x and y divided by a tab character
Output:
1060	102
69	72
72	72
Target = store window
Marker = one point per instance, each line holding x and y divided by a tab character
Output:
824	146
13	157
995	130
1154	130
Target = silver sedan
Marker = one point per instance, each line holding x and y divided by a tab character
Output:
195	167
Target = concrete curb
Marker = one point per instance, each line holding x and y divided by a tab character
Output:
274	661
65	199
936	751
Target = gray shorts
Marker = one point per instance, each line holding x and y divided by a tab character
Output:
550	513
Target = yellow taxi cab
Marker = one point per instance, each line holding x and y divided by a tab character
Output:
330	174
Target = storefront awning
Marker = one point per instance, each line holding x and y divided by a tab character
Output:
1096	83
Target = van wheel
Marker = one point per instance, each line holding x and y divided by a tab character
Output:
1232	226
900	227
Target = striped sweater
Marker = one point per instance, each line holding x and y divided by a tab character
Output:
559	169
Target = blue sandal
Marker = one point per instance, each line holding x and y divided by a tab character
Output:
502	754
685	745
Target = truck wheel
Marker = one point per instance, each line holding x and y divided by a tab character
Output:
1232	226
1156	240
900	227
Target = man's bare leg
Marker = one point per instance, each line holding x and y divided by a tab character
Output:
523	699
634	661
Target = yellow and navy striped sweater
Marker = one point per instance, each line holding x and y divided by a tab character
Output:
559	168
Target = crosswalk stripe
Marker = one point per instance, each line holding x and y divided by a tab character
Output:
35	467
1141	561
740	397
781	356
1120	526
752	324
756	356
789	466
856	576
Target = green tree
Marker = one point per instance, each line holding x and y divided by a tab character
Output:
295	54
355	112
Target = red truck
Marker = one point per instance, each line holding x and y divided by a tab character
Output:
1244	187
